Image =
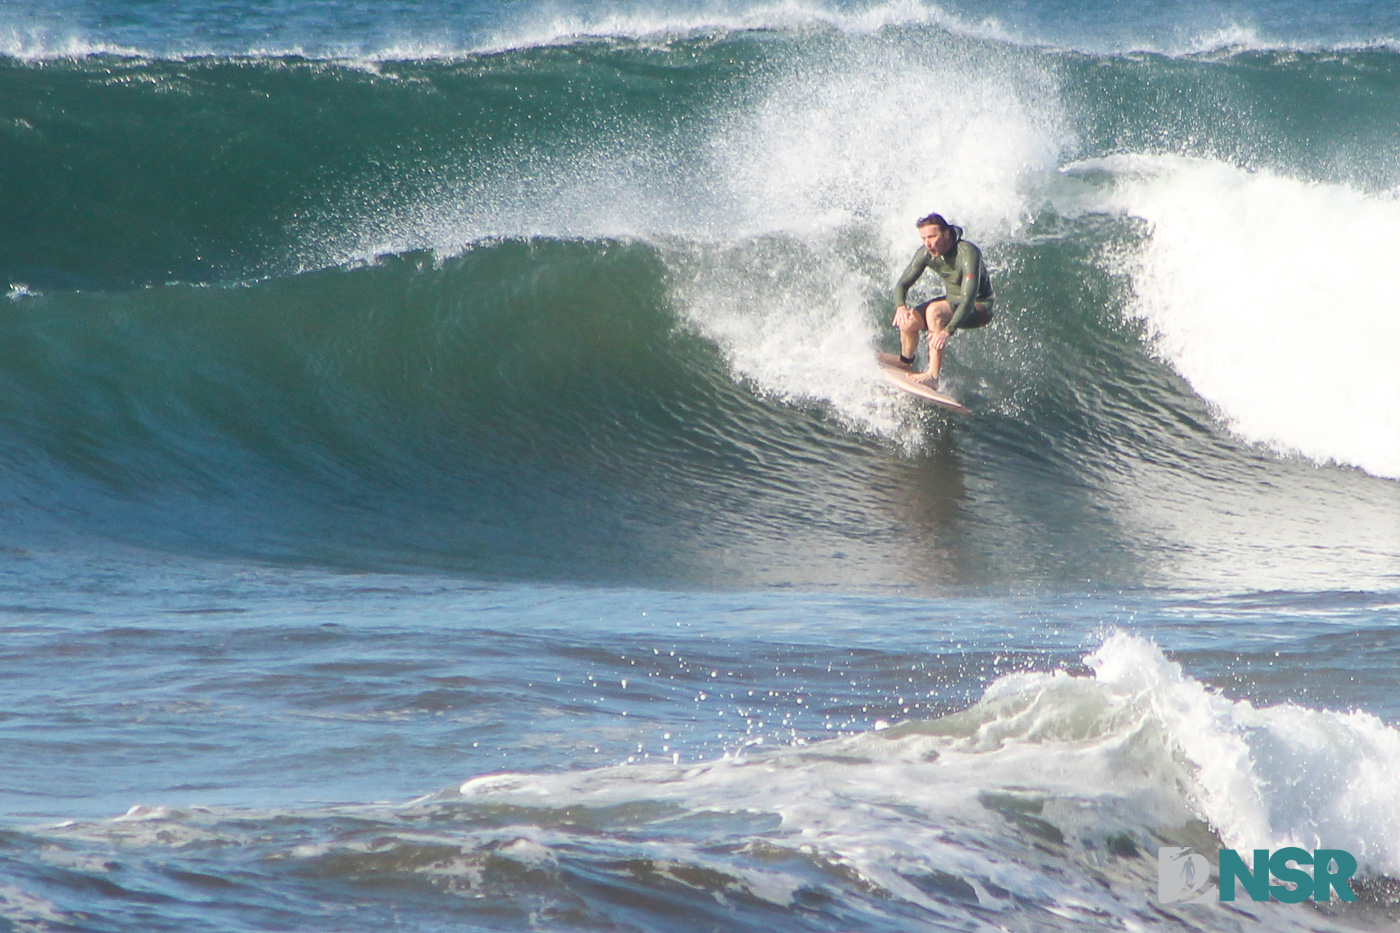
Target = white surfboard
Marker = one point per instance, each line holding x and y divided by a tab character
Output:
898	376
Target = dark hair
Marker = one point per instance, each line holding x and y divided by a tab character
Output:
934	219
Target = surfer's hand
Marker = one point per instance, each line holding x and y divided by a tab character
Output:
903	317
939	340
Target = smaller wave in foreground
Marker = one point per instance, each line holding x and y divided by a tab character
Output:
1040	807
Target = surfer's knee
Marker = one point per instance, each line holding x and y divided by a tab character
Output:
935	314
914	324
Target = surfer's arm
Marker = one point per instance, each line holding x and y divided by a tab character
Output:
969	270
910	276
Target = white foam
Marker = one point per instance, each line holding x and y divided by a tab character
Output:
558	23
1275	298
1230	38
563	23
1137	747
852	151
801	336
35	45
1235	38
1020	798
1267	777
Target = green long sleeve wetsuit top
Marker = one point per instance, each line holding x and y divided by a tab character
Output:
964	278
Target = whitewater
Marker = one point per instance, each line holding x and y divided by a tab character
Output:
445	482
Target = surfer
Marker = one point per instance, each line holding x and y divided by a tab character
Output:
967	302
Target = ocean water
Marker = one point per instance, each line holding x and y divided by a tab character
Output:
445	483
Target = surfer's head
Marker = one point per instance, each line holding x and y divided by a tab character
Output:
938	235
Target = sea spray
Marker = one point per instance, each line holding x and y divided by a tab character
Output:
1273	297
830	166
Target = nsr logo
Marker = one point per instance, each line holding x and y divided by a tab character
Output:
1184	876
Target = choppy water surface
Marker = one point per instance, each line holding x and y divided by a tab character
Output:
288	747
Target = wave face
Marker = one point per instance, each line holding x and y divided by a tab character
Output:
605	289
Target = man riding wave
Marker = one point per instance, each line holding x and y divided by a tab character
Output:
967	302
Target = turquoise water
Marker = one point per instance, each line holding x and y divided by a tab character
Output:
445	483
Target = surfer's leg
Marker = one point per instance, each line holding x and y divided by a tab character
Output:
937	314
909	336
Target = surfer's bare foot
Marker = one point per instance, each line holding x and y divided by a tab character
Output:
925	379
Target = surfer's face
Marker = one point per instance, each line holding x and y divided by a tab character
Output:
936	239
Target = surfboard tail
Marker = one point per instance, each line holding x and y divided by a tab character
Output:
898	375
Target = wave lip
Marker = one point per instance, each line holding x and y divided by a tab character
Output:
1272	296
790	16
1266	777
